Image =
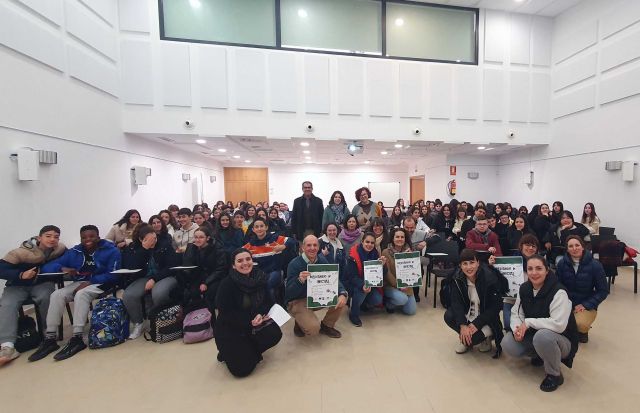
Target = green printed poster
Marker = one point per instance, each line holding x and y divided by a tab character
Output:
322	285
373	275
511	268
408	272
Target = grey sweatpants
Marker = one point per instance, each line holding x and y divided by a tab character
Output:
133	294
11	301
550	346
81	305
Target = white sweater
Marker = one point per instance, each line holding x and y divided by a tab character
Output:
559	313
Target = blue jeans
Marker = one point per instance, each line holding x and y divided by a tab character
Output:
396	298
359	297
273	282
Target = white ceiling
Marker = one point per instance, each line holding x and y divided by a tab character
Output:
280	151
550	8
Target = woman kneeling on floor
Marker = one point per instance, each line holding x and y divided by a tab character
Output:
244	330
475	305
543	324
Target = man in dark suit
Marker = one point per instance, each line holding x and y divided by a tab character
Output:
306	216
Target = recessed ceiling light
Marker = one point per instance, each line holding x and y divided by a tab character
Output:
481	148
195	4
384	153
201	141
399	22
307	157
518	1
236	156
304	143
223	150
489	149
247	161
302	13
306	152
398	145
367	161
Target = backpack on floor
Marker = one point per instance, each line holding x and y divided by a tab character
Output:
445	292
197	326
28	337
109	323
165	324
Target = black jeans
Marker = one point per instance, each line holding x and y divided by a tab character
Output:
477	338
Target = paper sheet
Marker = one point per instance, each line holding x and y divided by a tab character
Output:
125	271
279	315
184	267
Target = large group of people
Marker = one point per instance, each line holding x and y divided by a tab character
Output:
243	259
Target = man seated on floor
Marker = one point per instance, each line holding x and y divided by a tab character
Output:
89	264
20	268
306	322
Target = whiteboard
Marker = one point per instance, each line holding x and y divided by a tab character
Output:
387	192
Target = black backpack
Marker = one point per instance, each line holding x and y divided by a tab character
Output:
166	324
445	292
28	337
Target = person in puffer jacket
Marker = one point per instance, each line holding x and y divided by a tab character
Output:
585	281
20	268
89	264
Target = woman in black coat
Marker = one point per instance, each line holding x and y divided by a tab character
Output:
244	330
542	222
210	260
475	316
556	239
516	231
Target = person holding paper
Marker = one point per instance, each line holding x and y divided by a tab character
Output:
475	305
584	278
244	330
20	268
543	324
418	242
481	238
354	277
306	322
153	260
395	297
89	264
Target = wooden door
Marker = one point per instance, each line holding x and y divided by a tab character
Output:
246	184
416	184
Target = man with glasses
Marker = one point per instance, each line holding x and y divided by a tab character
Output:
306	216
481	238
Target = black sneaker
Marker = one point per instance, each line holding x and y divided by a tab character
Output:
537	361
48	346
355	320
74	346
551	383
583	337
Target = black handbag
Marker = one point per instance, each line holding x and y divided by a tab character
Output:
165	324
28	337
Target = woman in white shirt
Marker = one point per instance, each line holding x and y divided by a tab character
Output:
542	323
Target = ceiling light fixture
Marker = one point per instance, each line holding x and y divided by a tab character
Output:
195	4
307	157
223	150
480	148
236	156
399	22
398	145
302	13
201	141
367	162
306	152
384	153
304	144
247	161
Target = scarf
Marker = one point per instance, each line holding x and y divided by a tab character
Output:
338	212
366	208
253	286
350	236
485	236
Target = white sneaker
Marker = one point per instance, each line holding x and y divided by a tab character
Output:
7	354
136	332
461	348
485	346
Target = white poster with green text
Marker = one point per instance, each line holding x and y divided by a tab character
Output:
322	285
373	275
511	268
408	272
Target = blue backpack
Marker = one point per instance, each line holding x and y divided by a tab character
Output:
109	323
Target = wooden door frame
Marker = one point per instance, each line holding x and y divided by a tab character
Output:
411	183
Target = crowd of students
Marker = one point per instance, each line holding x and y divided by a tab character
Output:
248	257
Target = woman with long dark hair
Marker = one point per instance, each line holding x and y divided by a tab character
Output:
556	210
229	236
590	219
121	232
395	220
395	297
336	211
159	227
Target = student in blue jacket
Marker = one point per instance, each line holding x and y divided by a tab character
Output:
89	264
585	282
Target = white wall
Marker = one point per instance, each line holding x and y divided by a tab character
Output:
256	92
57	63
285	181
596	117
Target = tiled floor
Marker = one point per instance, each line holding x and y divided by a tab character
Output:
392	364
